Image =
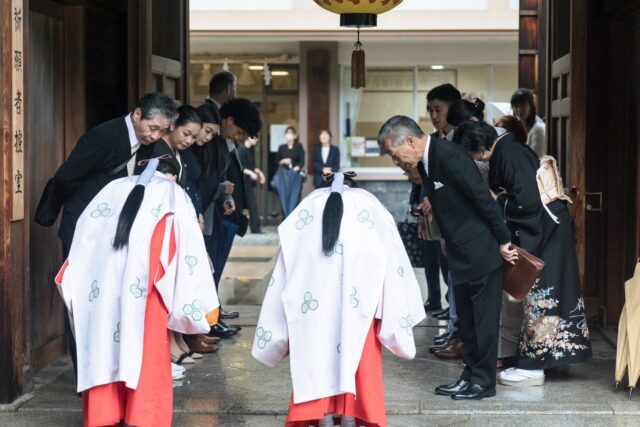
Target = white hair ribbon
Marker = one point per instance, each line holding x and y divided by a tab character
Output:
146	175
338	182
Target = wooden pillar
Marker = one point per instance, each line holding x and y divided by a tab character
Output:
15	374
578	124
318	102
528	45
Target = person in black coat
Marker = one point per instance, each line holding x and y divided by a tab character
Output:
288	179
104	153
326	158
476	239
252	178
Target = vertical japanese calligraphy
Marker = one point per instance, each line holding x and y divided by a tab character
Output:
18	98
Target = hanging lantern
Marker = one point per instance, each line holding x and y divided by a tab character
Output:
357	14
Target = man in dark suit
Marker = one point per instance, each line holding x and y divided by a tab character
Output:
105	153
475	236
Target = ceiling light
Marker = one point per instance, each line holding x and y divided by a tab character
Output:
280	73
437	67
256	67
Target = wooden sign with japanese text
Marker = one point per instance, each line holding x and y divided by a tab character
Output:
17	119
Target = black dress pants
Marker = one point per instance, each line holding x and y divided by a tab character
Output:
434	261
478	304
252	205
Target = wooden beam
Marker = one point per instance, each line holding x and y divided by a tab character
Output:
578	105
14	294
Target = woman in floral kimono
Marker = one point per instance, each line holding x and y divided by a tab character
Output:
342	288
554	331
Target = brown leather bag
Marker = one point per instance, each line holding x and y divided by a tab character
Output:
519	278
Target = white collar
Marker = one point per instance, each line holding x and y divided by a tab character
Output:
425	156
447	137
133	139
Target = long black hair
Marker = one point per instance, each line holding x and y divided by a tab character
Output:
332	216
463	110
525	96
475	137
134	201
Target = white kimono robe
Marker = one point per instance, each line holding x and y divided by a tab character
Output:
105	290
319	308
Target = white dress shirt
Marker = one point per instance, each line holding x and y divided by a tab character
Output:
135	144
325	154
425	156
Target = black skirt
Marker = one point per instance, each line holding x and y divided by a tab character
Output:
555	330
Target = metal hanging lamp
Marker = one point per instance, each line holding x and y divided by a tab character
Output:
358	14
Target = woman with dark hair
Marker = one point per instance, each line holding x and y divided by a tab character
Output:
136	267
464	110
342	264
176	144
524	107
289	177
210	123
554	331
326	158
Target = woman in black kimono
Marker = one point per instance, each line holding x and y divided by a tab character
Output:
554	330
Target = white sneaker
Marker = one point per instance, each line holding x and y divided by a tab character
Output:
177	371
515	377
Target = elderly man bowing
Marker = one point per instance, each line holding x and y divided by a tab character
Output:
105	153
475	235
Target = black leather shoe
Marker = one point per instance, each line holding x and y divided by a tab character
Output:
432	306
229	314
441	341
444	316
439	312
474	392
220	332
451	389
442	335
225	325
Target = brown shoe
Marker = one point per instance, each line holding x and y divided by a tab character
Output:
203	338
452	351
209	340
200	346
435	348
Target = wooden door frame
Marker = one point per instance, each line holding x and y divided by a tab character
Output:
15	362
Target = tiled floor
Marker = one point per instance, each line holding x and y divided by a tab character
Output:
231	389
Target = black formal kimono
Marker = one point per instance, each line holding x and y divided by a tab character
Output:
333	162
512	171
472	226
90	166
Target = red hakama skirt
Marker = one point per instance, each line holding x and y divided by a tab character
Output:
368	407
151	404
